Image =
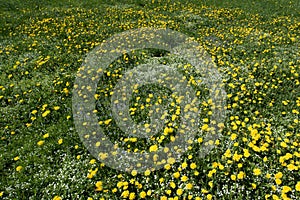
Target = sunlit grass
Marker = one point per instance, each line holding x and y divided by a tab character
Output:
255	46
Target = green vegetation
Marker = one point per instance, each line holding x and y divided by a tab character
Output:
254	45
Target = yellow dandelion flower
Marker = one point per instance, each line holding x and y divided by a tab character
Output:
205	127
286	189
143	194
106	122
147	172
189	186
193	165
93	161
172	184
40	143
179	192
167	166
153	148
221	167
60	141
45	113
57	198
241	175
200	140
176	175
168	192
133	172
184	178
19	168
233	177
56	107
99	186
184	165
278	175
256	171
163	198
132	195
125	194
161	180
297	187
209	197
278	181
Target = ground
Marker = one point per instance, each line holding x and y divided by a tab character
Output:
254	46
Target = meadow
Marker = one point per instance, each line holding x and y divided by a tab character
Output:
255	46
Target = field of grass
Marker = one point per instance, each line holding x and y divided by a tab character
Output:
255	46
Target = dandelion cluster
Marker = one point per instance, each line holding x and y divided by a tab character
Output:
256	157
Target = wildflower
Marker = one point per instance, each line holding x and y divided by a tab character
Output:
179	192
125	194
56	107
143	194
60	141
286	189
200	140
99	186
19	168
233	177
184	178
40	143
221	167
167	166
184	165
205	127
297	187
172	184
153	148
189	186
209	197
241	175
106	122
171	160
133	172
236	157
176	175
278	181
57	198
147	172
278	175
256	171
92	161
132	195
193	165
45	113
227	154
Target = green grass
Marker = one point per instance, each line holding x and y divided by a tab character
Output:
255	46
